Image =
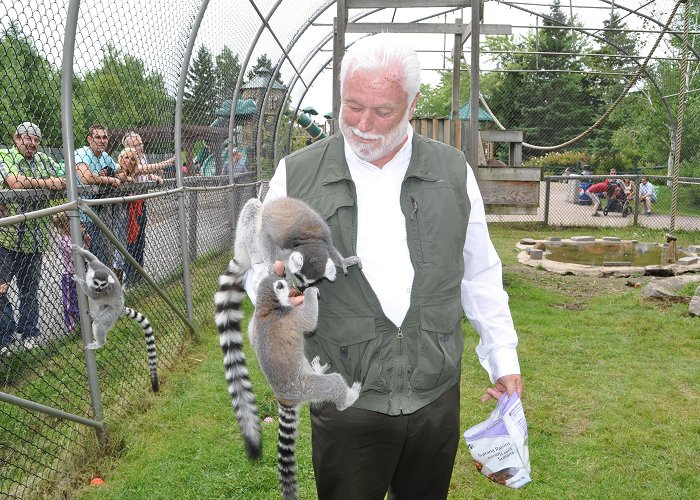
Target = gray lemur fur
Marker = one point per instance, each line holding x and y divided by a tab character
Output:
106	302
276	334
289	230
105	296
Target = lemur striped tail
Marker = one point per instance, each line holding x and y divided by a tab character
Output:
150	344
286	447
228	319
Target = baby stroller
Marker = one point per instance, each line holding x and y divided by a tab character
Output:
617	200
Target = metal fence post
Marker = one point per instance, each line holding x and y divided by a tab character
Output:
187	278
72	193
547	190
635	217
194	200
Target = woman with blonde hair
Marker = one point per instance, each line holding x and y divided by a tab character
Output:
129	161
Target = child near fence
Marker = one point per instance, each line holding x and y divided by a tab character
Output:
71	314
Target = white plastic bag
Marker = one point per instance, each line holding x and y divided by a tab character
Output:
499	444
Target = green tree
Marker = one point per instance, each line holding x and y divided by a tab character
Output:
200	97
605	86
228	67
30	88
437	101
120	93
535	93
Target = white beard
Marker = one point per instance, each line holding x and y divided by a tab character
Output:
381	146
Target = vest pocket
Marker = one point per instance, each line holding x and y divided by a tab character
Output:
440	345
348	344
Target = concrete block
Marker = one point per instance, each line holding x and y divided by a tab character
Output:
536	254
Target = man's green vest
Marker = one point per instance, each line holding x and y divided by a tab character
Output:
401	368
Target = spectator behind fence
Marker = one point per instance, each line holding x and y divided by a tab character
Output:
593	193
137	213
95	167
71	313
128	162
133	140
135	224
22	245
629	187
646	194
239	164
411	209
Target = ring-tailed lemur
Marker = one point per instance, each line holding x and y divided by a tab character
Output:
106	303
289	230
285	229
276	334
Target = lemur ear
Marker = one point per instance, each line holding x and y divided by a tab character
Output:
330	270
296	260
110	280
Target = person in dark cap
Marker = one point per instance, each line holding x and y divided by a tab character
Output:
22	245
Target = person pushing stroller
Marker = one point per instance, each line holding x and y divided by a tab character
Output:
616	199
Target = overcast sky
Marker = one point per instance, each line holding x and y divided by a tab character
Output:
156	31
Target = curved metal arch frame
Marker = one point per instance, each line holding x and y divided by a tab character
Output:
304	64
313	54
289	47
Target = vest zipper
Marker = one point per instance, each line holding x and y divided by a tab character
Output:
399	336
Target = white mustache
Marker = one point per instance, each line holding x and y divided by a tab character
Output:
366	136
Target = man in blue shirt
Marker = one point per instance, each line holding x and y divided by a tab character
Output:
95	167
646	194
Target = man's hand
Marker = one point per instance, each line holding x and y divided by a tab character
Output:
295	296
507	383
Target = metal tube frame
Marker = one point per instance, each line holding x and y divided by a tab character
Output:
178	159
74	217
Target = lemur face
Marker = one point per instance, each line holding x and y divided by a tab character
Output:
311	263
281	288
98	280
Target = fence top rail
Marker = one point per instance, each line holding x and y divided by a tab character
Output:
665	178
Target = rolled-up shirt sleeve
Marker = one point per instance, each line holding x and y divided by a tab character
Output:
484	301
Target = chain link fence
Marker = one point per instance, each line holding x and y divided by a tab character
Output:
564	202
206	95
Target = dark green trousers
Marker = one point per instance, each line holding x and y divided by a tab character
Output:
362	455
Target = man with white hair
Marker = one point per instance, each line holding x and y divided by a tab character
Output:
22	245
411	209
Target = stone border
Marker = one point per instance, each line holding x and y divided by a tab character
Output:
534	254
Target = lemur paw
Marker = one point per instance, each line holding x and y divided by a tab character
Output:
350	261
317	367
352	395
93	346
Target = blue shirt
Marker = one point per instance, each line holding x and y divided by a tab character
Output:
86	156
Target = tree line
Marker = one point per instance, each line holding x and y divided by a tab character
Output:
554	82
119	93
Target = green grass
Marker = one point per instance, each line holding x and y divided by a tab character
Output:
55	375
611	400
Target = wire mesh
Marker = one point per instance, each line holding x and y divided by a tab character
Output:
558	72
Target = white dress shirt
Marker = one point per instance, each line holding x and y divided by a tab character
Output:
382	247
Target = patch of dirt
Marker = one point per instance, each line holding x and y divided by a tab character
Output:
578	288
